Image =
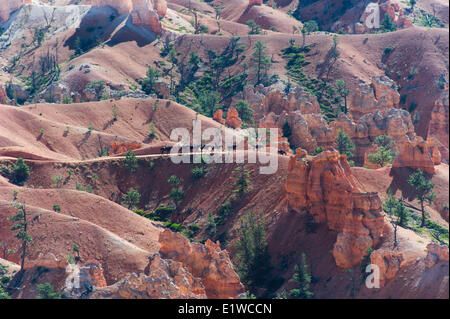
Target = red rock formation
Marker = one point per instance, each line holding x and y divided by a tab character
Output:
324	187
438	126
145	13
9	6
415	154
218	116
389	263
255	2
233	119
2	95
95	274
270	122
380	94
123	147
148	19
208	262
435	254
386	7
299	108
163	279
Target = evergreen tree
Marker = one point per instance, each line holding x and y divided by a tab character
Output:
252	252
308	28
254	28
148	83
244	111
303	280
21	172
386	153
424	191
388	25
131	199
131	162
343	92
344	144
261	62
176	193
46	291
398	214
77	47
21	220
241	182
208	102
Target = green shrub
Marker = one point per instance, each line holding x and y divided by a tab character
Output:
46	291
198	172
21	172
131	162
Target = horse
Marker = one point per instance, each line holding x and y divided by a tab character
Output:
166	149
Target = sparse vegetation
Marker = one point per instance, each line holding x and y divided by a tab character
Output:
46	291
260	62
344	144
21	172
131	199
21	226
131	162
386	153
252	253
424	191
398	214
148	83
254	28
302	279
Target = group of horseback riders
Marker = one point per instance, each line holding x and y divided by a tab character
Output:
168	149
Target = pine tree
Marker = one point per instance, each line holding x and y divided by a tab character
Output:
22	227
148	83
385	154
252	252
343	92
398	214
254	28
308	27
46	291
241	182
424	191
388	25
131	199
131	162
21	172
344	144
261	62
245	111
303	280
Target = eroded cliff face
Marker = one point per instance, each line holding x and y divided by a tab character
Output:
180	270
380	94
436	253
412	150
162	279
394	10
418	154
145	13
324	187
373	111
208	262
438	127
9	6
